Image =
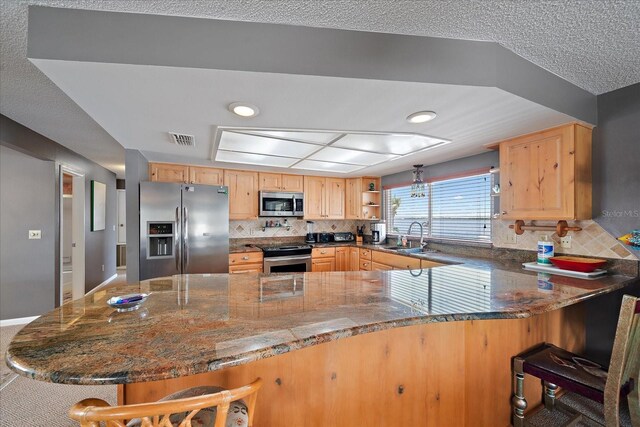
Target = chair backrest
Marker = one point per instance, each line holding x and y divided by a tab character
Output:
91	412
624	369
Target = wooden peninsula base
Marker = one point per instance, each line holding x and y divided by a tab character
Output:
435	374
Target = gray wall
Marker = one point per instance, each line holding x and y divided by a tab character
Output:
616	161
488	159
27	267
100	246
136	170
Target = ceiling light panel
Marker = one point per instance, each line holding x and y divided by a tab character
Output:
393	144
253	159
240	142
363	158
315	165
322	138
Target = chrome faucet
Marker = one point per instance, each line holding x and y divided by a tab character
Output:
421	232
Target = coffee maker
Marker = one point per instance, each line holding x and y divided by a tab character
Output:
378	233
311	237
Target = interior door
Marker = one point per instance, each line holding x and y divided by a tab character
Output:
205	212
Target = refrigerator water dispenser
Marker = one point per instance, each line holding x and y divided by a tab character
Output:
160	239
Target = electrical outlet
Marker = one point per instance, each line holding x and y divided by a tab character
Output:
252	231
102	267
35	234
565	242
512	238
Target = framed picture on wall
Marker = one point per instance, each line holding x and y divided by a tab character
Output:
98	205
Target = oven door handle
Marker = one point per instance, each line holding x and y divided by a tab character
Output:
289	258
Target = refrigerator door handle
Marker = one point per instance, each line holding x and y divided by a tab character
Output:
186	237
177	243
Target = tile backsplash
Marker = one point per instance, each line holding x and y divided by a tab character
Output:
592	241
298	227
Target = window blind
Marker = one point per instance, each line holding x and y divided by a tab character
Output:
456	209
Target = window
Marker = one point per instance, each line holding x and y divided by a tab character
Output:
454	209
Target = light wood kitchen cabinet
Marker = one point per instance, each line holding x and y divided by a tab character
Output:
168	172
364	259
324	197
246	262
281	182
243	194
353	198
365	264
335	198
206	176
342	258
292	183
547	175
354	259
395	261
323	265
376	266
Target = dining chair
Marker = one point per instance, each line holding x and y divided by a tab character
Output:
197	406
591	393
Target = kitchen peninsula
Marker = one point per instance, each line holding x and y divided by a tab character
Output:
415	347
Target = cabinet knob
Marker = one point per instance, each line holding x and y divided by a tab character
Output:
504	212
322	252
245	258
366	263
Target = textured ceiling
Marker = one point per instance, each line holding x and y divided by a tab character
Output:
593	44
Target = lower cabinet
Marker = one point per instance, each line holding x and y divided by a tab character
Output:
246	262
342	259
395	261
323	264
376	266
354	259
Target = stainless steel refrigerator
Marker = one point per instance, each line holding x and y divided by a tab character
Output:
183	229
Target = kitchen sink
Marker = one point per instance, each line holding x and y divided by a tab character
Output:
411	250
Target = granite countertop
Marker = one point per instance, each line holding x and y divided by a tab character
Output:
197	323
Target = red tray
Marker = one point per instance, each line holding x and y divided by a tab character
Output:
574	263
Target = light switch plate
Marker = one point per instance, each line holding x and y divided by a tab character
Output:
565	242
35	234
512	238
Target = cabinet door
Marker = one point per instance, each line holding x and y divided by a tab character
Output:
167	172
206	176
292	183
270	181
314	196
243	194
353	198
537	176
342	259
245	268
354	259
335	189
400	262
323	264
376	266
365	264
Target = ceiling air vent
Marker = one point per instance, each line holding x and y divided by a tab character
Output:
183	140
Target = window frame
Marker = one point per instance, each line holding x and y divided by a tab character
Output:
427	234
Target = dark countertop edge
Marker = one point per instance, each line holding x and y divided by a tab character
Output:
248	357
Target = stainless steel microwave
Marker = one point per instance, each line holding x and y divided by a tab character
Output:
281	204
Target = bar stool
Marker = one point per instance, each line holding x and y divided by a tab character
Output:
591	393
202	406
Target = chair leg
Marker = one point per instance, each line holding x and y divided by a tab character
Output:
549	395
518	402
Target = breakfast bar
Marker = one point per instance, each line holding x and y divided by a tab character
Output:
402	347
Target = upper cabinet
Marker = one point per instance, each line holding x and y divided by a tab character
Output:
243	194
547	175
207	176
324	198
168	172
281	182
363	199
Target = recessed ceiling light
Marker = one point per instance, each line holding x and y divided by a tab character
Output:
244	109
421	117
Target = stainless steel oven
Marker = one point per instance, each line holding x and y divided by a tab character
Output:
281	204
287	259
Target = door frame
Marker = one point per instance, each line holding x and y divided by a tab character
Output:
77	233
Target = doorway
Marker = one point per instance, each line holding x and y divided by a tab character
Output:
72	228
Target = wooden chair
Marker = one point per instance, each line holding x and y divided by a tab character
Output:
585	383
172	410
